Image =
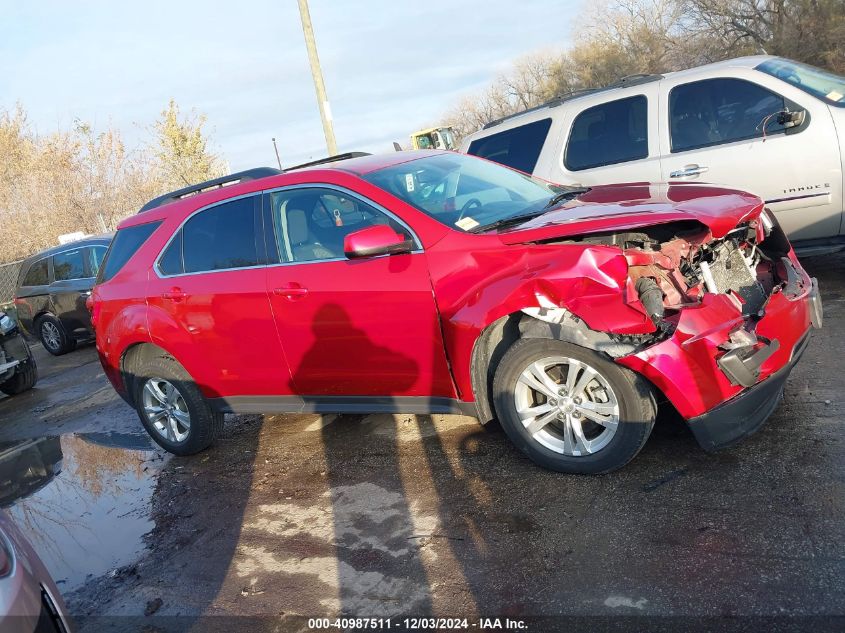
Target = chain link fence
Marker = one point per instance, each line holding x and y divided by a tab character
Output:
8	281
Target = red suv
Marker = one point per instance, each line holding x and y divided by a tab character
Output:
434	282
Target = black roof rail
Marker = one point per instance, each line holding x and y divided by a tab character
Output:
329	159
241	176
625	82
634	80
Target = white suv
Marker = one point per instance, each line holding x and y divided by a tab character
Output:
763	124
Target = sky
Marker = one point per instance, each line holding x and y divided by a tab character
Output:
390	66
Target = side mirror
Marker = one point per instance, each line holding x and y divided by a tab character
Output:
790	119
374	241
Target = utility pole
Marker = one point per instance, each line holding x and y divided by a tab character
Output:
317	74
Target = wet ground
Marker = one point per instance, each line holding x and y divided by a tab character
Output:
391	516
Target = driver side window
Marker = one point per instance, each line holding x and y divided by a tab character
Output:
719	111
310	224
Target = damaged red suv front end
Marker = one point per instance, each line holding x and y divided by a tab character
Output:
730	305
739	307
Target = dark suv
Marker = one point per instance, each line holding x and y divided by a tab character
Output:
52	289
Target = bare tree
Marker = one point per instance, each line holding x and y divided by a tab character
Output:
523	86
616	38
812	31
85	180
181	148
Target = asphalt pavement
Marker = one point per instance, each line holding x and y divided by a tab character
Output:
392	516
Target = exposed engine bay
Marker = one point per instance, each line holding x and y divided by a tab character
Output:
673	265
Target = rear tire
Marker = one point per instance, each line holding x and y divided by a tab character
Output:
172	408
571	409
25	377
53	336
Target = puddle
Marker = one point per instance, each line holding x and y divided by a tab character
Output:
82	500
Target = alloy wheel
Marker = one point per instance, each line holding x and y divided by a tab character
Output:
566	405
50	336
166	410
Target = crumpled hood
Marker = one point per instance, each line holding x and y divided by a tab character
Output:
628	206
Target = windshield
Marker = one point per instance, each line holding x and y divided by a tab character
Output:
815	81
465	192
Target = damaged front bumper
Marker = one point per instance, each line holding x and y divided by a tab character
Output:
740	416
724	370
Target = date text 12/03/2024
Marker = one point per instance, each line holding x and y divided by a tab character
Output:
412	624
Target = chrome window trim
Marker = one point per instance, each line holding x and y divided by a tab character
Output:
78	248
360	198
338	188
49	260
67	250
182	224
578	113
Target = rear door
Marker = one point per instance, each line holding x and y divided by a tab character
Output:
209	283
32	298
352	329
70	287
610	141
712	130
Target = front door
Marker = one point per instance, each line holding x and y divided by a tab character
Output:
364	328
713	131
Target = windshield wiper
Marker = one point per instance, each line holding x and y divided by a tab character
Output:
566	194
516	219
555	200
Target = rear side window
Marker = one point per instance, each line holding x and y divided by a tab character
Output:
221	237
170	262
37	274
95	258
518	147
125	244
717	111
609	133
68	265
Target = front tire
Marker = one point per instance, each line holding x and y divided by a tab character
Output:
173	410
571	409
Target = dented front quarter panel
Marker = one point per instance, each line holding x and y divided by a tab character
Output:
476	287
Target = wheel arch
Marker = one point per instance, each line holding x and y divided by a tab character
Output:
37	319
556	324
132	360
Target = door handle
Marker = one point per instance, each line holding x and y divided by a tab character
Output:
292	291
689	170
174	294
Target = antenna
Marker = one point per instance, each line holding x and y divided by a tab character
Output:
278	160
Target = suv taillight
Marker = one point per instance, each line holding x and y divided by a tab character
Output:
93	309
